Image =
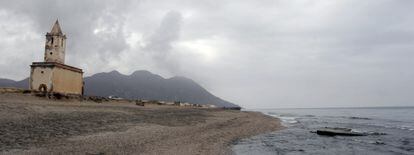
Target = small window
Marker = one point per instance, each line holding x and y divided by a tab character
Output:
52	40
61	43
41	72
51	53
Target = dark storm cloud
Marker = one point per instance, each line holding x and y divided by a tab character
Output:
268	53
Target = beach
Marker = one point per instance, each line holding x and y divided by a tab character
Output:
36	125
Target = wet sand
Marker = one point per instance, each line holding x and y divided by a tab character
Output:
34	125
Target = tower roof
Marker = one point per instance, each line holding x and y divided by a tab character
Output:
56	29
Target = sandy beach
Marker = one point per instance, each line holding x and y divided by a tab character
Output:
34	125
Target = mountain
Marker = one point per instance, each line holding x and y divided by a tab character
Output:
7	83
145	85
24	84
141	85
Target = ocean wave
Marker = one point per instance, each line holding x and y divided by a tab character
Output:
289	120
286	119
390	126
403	127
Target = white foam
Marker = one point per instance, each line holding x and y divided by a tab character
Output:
285	119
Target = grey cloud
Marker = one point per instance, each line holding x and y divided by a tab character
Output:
269	53
159	43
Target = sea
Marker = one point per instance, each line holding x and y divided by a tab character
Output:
390	131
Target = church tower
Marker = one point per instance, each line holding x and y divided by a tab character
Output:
53	76
55	45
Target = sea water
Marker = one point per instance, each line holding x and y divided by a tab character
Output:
391	128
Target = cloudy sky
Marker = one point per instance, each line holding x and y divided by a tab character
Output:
255	53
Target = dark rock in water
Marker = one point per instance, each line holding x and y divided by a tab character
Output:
338	132
363	118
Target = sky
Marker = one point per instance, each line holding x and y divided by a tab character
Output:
255	53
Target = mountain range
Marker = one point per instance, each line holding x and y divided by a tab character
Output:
141	85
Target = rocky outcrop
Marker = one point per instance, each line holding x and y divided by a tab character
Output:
328	131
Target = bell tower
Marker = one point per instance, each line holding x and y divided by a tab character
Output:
55	45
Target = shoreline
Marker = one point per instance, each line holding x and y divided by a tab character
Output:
33	125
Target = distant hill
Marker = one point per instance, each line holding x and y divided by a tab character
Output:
141	85
145	85
18	84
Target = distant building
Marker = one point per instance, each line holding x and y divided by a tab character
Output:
52	75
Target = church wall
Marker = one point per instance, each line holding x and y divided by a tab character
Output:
67	81
41	75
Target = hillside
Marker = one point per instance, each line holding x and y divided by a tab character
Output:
145	85
11	83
